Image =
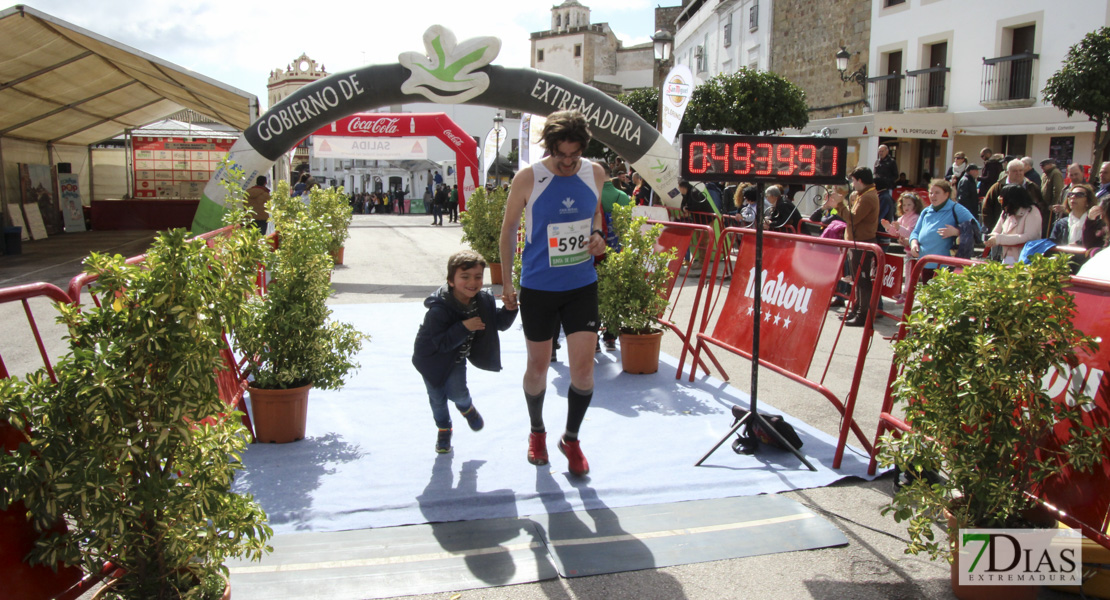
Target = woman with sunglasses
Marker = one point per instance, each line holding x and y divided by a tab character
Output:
1068	229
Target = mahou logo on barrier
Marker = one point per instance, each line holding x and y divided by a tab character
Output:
798	282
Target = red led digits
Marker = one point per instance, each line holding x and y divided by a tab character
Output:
836	153
765	159
786	164
745	158
721	158
807	155
694	154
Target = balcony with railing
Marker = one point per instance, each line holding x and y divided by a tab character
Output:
926	90
884	93
1008	81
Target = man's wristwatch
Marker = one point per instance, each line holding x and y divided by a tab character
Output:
599	232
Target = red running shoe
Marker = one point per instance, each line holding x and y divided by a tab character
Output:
576	461
537	448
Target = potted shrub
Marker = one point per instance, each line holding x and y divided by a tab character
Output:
286	336
481	225
629	288
133	446
332	208
973	358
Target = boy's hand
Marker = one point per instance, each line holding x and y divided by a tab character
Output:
474	324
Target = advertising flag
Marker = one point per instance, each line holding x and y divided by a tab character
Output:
677	89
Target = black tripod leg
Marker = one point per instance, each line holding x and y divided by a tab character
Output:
735	427
778	436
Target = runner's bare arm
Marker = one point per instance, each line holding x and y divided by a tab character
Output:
597	242
519	192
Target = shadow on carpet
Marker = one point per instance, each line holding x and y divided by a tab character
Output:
368	459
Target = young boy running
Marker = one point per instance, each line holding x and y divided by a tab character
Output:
454	331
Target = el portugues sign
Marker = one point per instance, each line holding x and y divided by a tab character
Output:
447	72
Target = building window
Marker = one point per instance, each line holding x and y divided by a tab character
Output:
753	17
577	50
558	21
889	3
728	31
539	55
699	58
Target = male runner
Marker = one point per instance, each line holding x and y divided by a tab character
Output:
558	283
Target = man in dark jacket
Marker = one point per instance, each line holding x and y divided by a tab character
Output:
439	203
886	172
967	191
992	170
692	198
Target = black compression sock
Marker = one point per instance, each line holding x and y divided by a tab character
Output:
577	403
535	410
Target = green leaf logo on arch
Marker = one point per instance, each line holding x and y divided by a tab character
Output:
446	74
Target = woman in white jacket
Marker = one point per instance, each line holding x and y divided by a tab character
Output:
1021	223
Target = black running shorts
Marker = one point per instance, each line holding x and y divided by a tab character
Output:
575	309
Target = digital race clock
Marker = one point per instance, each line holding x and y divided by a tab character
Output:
720	157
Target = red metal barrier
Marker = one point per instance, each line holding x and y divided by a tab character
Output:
800	276
679	237
1083	499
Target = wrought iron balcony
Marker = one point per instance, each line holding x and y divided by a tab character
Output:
884	93
926	89
1008	81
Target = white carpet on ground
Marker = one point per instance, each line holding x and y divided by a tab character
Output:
368	459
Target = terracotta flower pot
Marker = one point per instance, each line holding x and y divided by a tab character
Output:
279	416
640	352
495	274
337	256
106	589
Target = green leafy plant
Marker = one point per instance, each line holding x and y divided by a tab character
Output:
973	360
747	102
630	282
286	334
133	447
332	208
481	222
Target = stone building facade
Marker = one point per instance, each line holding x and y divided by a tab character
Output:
590	52
806	37
282	83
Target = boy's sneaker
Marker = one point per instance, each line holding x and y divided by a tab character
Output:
474	419
443	441
576	461
610	341
537	448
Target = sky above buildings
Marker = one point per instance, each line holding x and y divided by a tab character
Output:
238	42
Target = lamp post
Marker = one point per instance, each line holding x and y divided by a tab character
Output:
662	43
859	76
497	121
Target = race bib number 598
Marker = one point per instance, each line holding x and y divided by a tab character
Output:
567	243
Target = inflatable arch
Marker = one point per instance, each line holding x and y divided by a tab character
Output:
449	72
414	124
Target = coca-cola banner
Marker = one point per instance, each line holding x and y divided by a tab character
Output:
893	271
798	283
447	72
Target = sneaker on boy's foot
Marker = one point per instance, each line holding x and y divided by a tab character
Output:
474	419
576	461
537	448
443	441
610	341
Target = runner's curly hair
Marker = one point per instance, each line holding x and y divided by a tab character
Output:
565	126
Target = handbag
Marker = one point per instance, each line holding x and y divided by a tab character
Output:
970	234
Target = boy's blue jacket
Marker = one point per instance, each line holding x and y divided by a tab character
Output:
442	332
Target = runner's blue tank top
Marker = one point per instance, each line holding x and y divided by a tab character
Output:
558	220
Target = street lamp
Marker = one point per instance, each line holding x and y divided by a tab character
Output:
860	76
662	42
497	121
